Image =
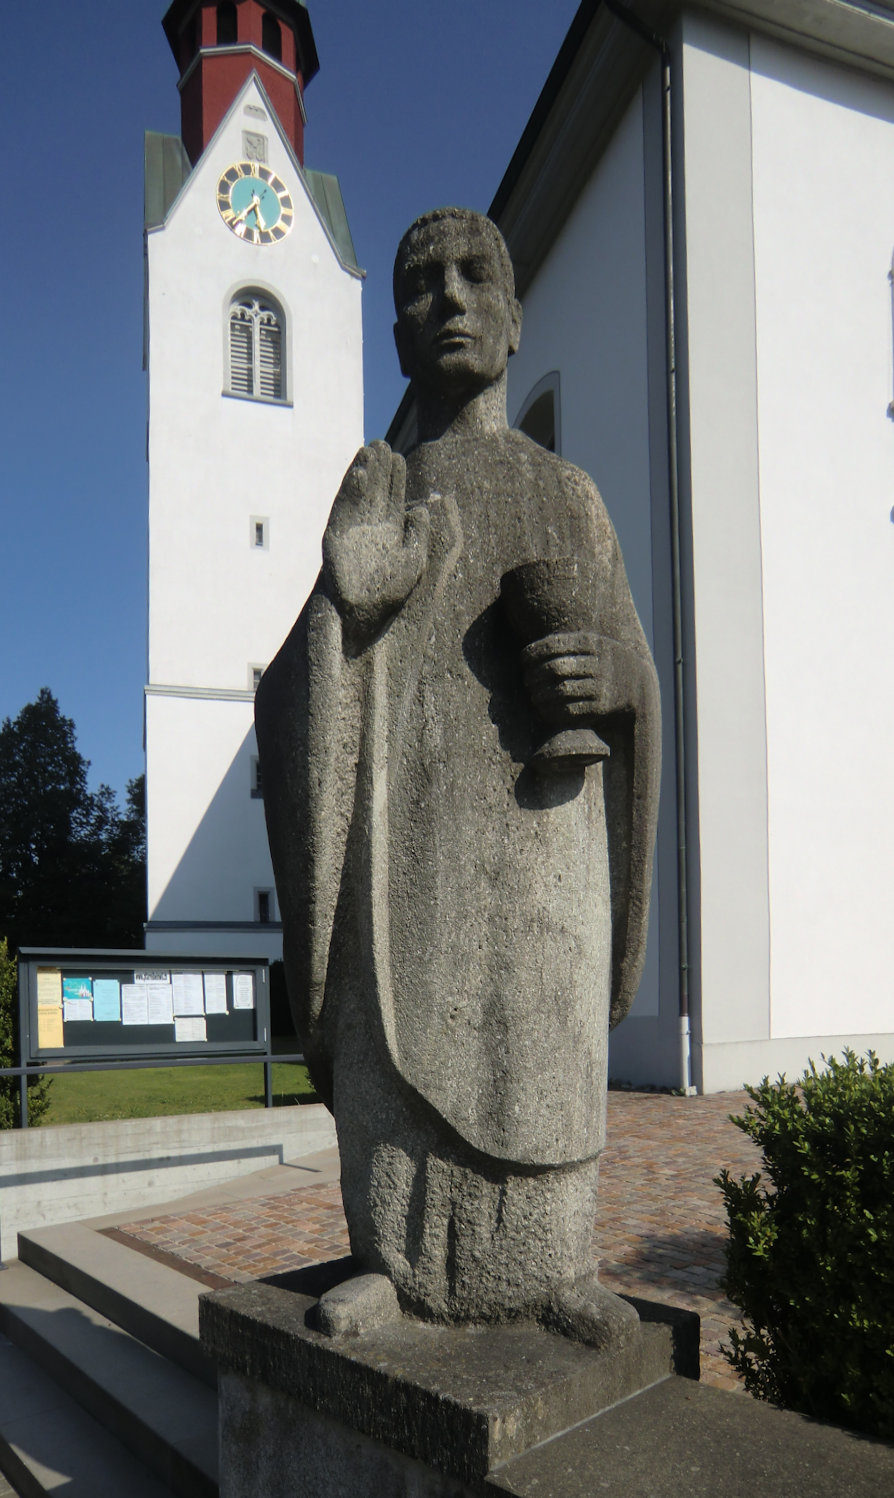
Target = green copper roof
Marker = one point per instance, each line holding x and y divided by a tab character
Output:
327	196
167	168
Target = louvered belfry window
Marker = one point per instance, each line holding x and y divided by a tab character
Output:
256	349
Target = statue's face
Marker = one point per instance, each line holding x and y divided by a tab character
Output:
457	322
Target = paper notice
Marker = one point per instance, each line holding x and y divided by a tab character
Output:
49	1028
160	1003
49	988
106	999
215	993
75	1010
134	1004
189	1027
243	991
188	994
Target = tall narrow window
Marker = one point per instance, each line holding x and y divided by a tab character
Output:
256	345
269	356
265	906
271	36
189	41
226	24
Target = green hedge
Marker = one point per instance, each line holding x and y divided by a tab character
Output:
810	1256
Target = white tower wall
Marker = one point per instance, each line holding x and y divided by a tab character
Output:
219	604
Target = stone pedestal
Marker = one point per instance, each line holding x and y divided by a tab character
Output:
410	1410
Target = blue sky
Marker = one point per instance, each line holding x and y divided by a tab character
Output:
415	105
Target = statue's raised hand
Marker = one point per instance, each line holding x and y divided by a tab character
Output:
374	548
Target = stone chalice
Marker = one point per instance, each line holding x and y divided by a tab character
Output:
550	605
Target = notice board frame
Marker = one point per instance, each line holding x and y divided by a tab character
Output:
113	962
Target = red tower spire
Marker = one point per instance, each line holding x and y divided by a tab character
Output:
217	46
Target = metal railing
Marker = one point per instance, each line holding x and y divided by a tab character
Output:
231	1058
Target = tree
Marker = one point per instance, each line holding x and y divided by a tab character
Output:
72	868
38	1087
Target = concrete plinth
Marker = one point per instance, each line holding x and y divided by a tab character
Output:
410	1410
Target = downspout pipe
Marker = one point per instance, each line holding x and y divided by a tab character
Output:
625	13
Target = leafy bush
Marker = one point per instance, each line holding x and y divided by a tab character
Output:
38	1087
810	1256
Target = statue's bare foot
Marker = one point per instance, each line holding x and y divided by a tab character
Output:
356	1305
587	1312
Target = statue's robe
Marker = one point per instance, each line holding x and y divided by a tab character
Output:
483	918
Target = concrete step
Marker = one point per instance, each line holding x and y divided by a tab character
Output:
48	1445
162	1414
156	1304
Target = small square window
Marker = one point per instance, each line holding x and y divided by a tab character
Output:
259	533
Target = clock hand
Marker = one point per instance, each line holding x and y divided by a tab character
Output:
256	205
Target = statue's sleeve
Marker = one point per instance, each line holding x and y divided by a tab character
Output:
631	774
308	723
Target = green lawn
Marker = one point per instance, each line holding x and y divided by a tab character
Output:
85	1097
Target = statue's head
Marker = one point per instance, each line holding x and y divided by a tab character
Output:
458	319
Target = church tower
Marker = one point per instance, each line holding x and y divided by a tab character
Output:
253	357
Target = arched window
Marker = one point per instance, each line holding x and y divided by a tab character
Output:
271	36
539	415
256	348
226	24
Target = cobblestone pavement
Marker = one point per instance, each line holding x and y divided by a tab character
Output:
659	1230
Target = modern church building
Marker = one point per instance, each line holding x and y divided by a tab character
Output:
253	355
701	215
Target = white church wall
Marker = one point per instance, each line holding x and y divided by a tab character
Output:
823	142
587	316
786	365
718	394
209	848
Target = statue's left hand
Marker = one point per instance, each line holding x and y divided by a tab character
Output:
589	675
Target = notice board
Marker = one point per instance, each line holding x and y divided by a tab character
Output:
99	1005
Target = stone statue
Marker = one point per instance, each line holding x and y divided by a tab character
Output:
462	861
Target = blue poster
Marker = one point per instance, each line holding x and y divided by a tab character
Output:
106	999
77	988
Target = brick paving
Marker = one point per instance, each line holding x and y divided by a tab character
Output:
659	1230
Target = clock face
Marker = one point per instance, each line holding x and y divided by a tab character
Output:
255	203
